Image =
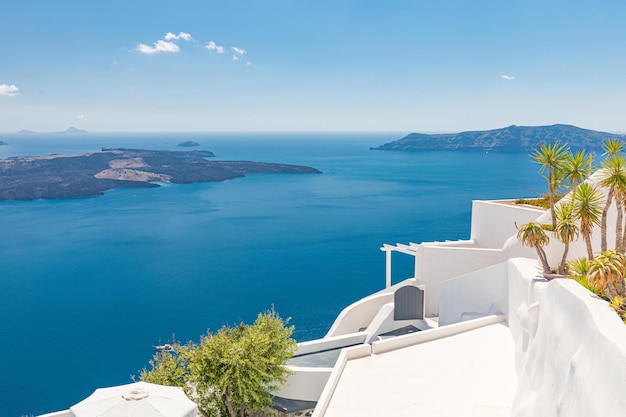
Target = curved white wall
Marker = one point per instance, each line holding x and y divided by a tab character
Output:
358	315
570	346
570	349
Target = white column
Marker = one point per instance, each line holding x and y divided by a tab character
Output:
388	268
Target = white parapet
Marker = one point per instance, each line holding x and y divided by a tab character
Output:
358	316
382	346
570	348
346	355
477	294
305	383
493	222
64	413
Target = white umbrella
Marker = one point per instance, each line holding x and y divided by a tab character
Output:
140	399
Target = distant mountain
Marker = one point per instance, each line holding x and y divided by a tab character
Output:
69	131
73	131
3	143
509	139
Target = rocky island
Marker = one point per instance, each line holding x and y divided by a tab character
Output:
188	144
508	139
89	174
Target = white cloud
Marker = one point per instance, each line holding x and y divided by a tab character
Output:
8	90
248	63
81	117
507	77
181	35
168	45
164	45
159	46
213	47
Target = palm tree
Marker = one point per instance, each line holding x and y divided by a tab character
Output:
587	207
533	235
551	157
577	167
613	147
566	230
613	176
607	273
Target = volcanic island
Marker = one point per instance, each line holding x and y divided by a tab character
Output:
91	174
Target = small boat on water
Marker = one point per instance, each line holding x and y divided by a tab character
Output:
164	348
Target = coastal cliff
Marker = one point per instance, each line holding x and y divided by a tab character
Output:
508	139
89	174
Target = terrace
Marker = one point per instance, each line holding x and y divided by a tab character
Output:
498	339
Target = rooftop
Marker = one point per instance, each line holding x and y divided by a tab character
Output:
468	374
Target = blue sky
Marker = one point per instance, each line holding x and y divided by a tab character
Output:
397	65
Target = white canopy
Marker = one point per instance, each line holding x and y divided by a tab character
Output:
140	399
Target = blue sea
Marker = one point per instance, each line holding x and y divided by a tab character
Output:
89	285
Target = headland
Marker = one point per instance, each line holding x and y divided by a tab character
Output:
509	139
90	174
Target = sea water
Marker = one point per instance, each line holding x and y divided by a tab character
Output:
89	285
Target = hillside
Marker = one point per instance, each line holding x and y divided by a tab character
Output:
509	139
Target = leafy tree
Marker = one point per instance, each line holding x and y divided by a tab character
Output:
552	158
231	372
169	368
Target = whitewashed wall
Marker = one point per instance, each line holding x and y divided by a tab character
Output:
493	228
479	294
570	349
441	263
329	343
570	346
305	383
493	222
358	315
64	413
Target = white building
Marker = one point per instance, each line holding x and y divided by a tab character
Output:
497	339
